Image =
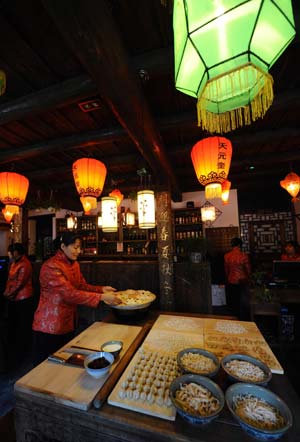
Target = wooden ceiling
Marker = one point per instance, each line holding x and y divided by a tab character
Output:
57	54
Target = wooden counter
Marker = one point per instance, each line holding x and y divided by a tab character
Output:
39	419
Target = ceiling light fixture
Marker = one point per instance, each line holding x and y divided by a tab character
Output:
291	184
13	192
223	52
89	176
211	159
109	214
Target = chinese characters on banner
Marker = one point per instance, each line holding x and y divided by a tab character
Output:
165	250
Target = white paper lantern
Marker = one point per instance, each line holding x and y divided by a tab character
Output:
146	209
109	214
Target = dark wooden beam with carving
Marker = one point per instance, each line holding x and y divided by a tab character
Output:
92	35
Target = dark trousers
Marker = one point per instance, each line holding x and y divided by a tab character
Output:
45	344
19	317
237	298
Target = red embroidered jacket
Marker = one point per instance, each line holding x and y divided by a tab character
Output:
19	282
237	266
62	288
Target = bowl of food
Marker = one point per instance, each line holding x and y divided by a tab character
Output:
245	368
98	364
198	361
259	411
113	347
134	299
196	398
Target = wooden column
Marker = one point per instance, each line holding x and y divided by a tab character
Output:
165	250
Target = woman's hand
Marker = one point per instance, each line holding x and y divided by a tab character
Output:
111	298
108	288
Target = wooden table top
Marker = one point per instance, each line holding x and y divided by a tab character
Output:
126	425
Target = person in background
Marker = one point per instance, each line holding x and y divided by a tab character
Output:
10	253
19	294
62	287
237	272
291	252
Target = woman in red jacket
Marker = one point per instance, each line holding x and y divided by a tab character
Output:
19	293
62	287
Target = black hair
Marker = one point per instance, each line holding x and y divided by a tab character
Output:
66	238
236	242
17	247
293	244
10	248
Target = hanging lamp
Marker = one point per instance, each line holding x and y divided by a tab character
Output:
89	176
118	195
208	212
291	184
146	209
71	221
129	219
223	51
225	191
13	192
9	211
211	159
109	214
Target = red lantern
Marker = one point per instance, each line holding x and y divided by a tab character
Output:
211	159
13	191
225	191
291	184
89	176
9	211
118	195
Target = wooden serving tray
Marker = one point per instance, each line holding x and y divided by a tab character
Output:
70	385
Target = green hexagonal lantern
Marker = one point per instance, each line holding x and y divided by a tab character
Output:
223	52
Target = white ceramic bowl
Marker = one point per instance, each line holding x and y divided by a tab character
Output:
93	358
113	347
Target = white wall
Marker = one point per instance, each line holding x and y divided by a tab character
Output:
230	213
229	216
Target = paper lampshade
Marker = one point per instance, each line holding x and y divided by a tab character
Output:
89	176
223	52
211	159
146	209
109	214
291	184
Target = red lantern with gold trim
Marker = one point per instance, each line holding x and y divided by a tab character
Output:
225	191
291	184
118	195
13	192
211	159
89	176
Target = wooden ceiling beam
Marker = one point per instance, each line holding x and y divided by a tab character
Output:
77	88
92	35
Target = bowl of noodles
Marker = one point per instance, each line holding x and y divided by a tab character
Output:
259	411
245	368
196	398
198	361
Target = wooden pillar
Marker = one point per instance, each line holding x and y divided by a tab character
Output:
165	246
17	227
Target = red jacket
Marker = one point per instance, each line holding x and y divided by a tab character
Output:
19	282
62	288
237	266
